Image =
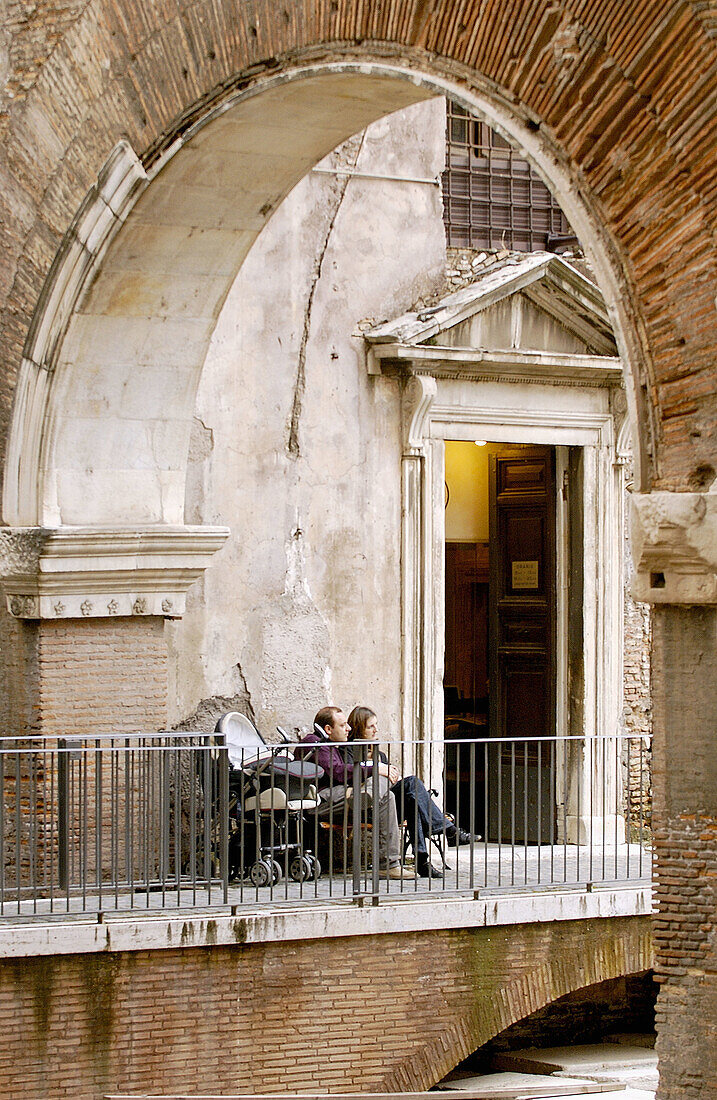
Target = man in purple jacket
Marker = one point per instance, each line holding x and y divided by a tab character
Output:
325	749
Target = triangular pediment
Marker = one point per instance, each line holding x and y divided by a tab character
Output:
533	302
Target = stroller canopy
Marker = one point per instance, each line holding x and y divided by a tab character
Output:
246	748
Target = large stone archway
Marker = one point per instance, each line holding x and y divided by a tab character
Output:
613	104
612	97
117	342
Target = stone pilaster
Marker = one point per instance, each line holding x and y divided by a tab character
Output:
83	640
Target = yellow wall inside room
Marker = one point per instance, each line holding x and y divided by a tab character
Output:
467	481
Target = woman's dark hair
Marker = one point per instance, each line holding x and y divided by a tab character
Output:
358	720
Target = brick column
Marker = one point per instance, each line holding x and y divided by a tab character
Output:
675	547
84	656
82	676
684	686
82	635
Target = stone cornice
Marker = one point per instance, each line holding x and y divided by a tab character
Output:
87	572
482	364
674	544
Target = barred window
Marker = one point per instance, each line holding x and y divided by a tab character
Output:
492	198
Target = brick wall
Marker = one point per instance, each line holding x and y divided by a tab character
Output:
62	677
685	792
72	678
390	1013
80	686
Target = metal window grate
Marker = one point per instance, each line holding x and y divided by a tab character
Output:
492	198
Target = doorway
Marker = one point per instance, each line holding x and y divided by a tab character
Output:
500	615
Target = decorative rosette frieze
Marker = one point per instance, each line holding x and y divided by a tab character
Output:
83	572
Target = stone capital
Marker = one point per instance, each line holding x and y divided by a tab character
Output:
91	572
674	545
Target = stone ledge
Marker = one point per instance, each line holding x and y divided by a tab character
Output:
218	928
674	545
91	572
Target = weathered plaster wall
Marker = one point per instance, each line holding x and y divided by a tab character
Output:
297	450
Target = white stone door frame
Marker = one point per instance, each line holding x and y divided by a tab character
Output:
436	409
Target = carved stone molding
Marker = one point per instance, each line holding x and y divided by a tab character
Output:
674	543
85	572
418	395
104	210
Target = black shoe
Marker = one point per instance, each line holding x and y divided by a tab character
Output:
425	869
456	836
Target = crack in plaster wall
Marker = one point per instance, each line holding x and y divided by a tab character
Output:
346	155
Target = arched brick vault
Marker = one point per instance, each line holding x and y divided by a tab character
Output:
618	96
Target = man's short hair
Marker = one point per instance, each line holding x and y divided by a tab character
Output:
325	717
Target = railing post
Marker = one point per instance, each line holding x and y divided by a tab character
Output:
358	757
223	765
165	813
63	813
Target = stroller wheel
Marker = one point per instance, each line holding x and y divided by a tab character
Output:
300	868
261	872
315	867
277	872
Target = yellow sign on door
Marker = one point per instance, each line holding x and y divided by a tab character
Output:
525	574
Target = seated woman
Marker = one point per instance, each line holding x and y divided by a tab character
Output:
415	805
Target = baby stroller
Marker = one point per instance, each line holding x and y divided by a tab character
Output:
269	793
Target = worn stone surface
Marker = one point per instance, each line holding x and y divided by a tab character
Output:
674	542
637	698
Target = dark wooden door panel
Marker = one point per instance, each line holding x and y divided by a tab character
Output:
522	629
466	652
526	691
522	592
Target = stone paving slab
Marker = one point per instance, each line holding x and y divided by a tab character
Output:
512	1084
486	868
628	1065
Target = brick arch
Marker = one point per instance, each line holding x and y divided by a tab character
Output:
294	1016
610	95
577	957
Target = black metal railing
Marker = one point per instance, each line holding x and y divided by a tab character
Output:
125	822
130	822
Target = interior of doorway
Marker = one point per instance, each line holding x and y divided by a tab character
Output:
467	580
500	617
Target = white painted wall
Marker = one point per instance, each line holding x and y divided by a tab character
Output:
302	605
